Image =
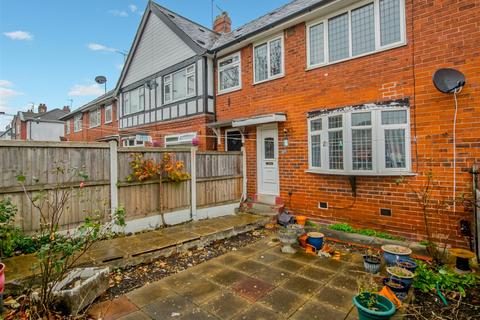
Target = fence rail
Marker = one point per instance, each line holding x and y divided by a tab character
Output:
217	179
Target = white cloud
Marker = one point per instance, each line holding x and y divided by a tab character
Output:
79	90
19	35
118	13
133	8
6	83
100	47
6	93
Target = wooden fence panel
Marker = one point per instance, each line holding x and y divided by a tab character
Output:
219	180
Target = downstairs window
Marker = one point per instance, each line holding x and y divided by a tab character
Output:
360	142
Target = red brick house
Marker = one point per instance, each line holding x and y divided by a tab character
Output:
95	121
334	102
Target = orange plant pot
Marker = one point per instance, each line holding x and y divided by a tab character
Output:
303	240
309	249
301	220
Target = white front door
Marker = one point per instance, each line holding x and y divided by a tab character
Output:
267	159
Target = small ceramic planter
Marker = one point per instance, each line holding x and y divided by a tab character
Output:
393	253
408	264
401	274
371	263
301	220
315	239
382	308
296	228
398	287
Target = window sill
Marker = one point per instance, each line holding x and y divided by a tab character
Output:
368	174
107	122
219	93
394	46
94	126
269	79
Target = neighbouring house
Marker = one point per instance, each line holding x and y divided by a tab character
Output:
334	102
39	126
165	91
7	134
95	121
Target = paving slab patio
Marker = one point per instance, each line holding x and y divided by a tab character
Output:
141	247
255	282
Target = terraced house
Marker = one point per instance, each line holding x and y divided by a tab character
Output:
165	90
334	103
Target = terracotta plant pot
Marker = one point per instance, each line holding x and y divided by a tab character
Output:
303	240
301	220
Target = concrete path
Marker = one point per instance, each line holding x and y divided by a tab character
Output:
144	247
255	282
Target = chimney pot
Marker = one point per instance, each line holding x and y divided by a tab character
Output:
66	108
42	108
222	23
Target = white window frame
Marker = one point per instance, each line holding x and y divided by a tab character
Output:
67	126
168	80
267	42
109	108
127	103
232	65
179	139
136	143
98	119
378	144
77	123
226	136
378	46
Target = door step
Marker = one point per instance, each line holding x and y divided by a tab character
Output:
264	209
268	199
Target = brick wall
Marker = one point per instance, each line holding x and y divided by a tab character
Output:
159	130
93	134
445	34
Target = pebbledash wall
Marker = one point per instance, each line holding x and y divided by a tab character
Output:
95	133
438	34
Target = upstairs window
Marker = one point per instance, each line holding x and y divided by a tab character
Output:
77	123
268	59
359	30
134	100
94	118
229	73
67	127
361	142
108	114
179	85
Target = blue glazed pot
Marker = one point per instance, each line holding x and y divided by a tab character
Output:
408	264
407	279
392	257
399	287
384	308
371	264
315	239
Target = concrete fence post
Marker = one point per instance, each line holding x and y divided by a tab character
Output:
113	177
193	181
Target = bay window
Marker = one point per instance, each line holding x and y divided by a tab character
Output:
268	59
358	30
179	85
229	73
372	141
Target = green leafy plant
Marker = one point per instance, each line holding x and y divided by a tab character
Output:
8	231
427	278
58	252
367	232
367	288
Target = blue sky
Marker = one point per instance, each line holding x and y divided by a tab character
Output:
51	50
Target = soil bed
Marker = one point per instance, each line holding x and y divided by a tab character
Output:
124	280
429	306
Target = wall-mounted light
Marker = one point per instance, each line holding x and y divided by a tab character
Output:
285	137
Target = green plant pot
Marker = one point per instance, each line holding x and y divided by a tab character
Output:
385	308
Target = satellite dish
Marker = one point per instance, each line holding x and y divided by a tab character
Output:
100	79
448	80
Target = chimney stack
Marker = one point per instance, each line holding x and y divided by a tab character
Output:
66	109
222	23
42	108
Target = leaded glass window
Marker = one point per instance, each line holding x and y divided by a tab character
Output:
268	58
